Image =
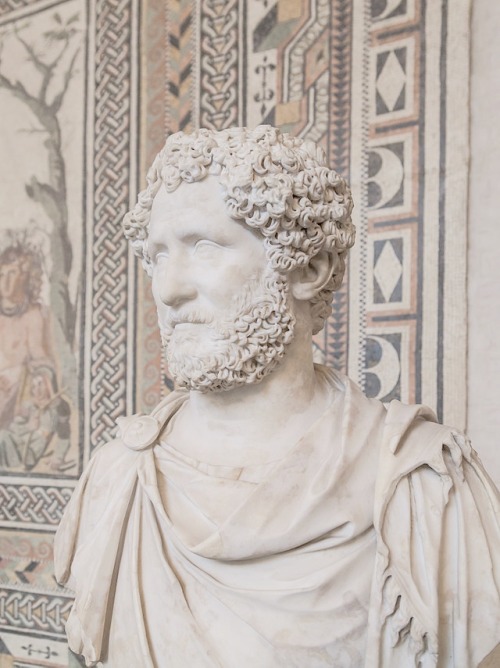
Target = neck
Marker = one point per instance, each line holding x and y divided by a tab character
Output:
259	422
13	307
287	389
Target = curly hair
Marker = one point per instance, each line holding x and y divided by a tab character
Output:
274	183
30	263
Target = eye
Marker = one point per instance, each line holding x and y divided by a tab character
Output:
158	257
206	248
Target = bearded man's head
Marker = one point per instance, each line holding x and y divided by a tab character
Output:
281	187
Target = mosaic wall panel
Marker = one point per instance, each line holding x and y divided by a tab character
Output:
408	193
371	81
68	94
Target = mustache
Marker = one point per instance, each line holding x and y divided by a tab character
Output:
190	316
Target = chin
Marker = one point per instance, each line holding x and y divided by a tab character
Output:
240	350
224	371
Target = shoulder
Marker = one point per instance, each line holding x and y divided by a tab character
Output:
361	413
414	441
135	434
433	463
109	459
438	537
35	315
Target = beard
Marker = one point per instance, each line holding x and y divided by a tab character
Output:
239	349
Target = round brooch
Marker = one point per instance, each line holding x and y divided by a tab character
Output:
138	432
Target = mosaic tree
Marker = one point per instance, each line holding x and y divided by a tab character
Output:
53	67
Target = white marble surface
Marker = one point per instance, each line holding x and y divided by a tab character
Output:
269	514
483	414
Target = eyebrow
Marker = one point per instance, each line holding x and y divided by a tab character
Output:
193	230
152	246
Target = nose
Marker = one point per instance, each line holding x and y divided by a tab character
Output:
172	285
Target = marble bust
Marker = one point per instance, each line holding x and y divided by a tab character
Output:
266	513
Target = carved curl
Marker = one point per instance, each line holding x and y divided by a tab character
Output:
275	183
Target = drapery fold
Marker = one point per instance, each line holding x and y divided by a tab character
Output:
362	525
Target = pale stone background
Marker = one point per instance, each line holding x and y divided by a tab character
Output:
483	415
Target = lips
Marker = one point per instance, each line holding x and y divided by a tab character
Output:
186	325
187	319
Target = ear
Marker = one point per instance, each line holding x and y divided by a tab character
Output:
306	282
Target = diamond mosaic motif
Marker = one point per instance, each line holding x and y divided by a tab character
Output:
391	81
388	270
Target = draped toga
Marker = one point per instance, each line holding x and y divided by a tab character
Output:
374	542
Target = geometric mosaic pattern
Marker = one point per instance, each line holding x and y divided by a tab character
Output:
112	169
408	268
9	6
38	612
219	55
37	505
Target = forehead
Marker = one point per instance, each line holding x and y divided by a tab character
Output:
195	209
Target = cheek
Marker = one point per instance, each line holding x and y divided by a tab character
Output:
154	292
161	309
224	284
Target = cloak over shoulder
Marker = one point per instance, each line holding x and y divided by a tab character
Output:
375	542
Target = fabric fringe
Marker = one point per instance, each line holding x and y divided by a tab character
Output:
403	625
